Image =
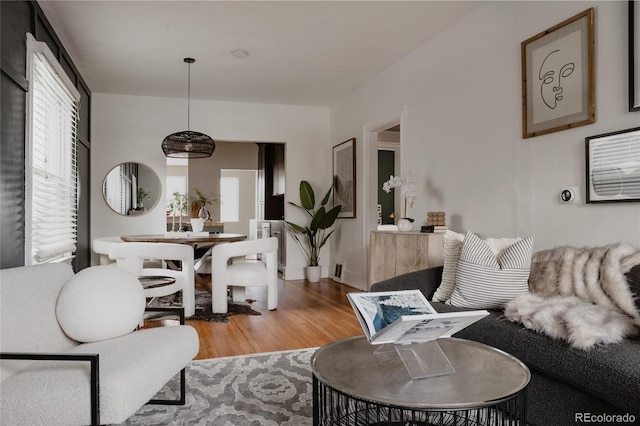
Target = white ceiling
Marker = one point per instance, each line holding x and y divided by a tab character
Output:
301	52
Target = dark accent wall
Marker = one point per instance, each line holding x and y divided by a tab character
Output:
16	19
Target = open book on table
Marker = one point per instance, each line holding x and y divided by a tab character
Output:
405	316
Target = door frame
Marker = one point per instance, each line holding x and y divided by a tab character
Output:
370	171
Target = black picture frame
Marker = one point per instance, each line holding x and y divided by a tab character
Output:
344	178
612	164
634	55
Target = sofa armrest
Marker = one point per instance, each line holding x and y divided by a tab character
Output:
425	280
94	360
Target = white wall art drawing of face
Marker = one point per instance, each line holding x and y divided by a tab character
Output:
559	73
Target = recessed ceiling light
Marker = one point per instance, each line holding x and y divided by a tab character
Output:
240	53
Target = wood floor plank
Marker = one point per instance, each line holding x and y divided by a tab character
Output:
308	315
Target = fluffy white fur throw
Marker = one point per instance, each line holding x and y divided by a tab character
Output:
580	295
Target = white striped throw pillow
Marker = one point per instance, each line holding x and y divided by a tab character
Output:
452	247
485	280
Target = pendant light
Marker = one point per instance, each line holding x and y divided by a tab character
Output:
188	144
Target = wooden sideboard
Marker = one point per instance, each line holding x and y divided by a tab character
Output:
394	253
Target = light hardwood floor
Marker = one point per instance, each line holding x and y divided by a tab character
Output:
308	315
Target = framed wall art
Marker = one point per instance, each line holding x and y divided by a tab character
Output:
558	84
613	166
634	55
344	174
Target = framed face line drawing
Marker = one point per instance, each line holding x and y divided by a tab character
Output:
558	84
344	177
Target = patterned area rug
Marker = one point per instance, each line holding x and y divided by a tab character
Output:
253	390
203	307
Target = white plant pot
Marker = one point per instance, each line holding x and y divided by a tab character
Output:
197	224
313	273
404	225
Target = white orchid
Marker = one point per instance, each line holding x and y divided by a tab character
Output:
393	182
408	188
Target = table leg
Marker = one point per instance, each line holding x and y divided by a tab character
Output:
197	265
202	283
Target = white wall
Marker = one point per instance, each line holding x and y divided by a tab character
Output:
462	95
131	128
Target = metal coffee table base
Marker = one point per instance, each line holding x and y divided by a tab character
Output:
332	407
355	383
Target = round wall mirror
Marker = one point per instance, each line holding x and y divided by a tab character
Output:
131	189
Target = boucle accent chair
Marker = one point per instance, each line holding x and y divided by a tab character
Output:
49	311
133	258
229	268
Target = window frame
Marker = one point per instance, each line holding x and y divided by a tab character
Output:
34	48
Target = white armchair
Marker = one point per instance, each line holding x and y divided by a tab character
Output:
70	355
229	268
132	257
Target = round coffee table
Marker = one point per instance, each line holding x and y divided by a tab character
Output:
352	385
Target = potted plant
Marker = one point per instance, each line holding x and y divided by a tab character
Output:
178	205
141	195
200	202
313	236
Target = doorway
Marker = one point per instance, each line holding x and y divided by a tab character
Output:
372	144
388	164
264	159
380	138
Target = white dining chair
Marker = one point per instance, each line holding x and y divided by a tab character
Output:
132	257
101	246
230	268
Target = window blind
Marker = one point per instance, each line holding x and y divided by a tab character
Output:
51	177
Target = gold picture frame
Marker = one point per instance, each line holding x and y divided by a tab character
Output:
558	82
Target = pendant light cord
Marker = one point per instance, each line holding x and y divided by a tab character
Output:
189	61
189	98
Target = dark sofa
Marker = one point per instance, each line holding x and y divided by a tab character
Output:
566	383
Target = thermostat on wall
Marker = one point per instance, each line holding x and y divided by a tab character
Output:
570	194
